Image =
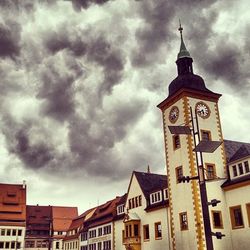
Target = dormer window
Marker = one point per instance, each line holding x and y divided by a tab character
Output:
240	169
234	170
120	209
155	197
165	194
246	165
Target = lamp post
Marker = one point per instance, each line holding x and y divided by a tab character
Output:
200	147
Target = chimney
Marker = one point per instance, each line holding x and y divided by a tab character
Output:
24	184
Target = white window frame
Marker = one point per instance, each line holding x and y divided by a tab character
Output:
154	198
120	209
164	194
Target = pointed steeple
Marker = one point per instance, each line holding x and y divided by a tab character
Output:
183	50
184	60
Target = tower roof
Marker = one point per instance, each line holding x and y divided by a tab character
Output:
183	50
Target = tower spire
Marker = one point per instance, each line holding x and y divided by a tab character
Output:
183	50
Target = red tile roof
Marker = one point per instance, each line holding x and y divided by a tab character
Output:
39	217
104	213
12	204
62	217
77	224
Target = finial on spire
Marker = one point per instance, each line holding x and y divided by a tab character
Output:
180	28
183	51
148	170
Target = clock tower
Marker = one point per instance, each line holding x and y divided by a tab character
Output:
188	95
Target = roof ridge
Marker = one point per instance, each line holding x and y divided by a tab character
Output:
236	141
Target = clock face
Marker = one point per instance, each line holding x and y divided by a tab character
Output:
174	114
202	109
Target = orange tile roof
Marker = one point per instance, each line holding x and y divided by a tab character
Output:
12	203
77	224
62	217
104	213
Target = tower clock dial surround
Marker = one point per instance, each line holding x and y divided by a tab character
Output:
173	114
202	110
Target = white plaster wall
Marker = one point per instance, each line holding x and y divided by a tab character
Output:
71	241
214	190
181	192
240	237
13	238
104	237
159	215
118	227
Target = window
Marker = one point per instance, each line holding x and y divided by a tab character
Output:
158	231
234	170
1	244
19	232
165	194
126	231
2	231
135	202
176	142
7	245
205	135
183	221
57	244
217	219
156	197
120	209
246	165
139	200
92	233
107	245
240	167
29	244
130	204
8	232
146	232
236	217
179	174
12	245
18	245
60	233
14	232
248	213
136	230
92	246
210	171
99	246
107	229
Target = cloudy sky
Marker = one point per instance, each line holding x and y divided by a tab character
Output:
80	82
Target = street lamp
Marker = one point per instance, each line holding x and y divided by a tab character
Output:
201	146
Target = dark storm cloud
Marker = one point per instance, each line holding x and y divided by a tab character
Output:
92	47
79	4
154	32
111	60
35	155
217	55
10	39
157	31
93	140
227	62
58	95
